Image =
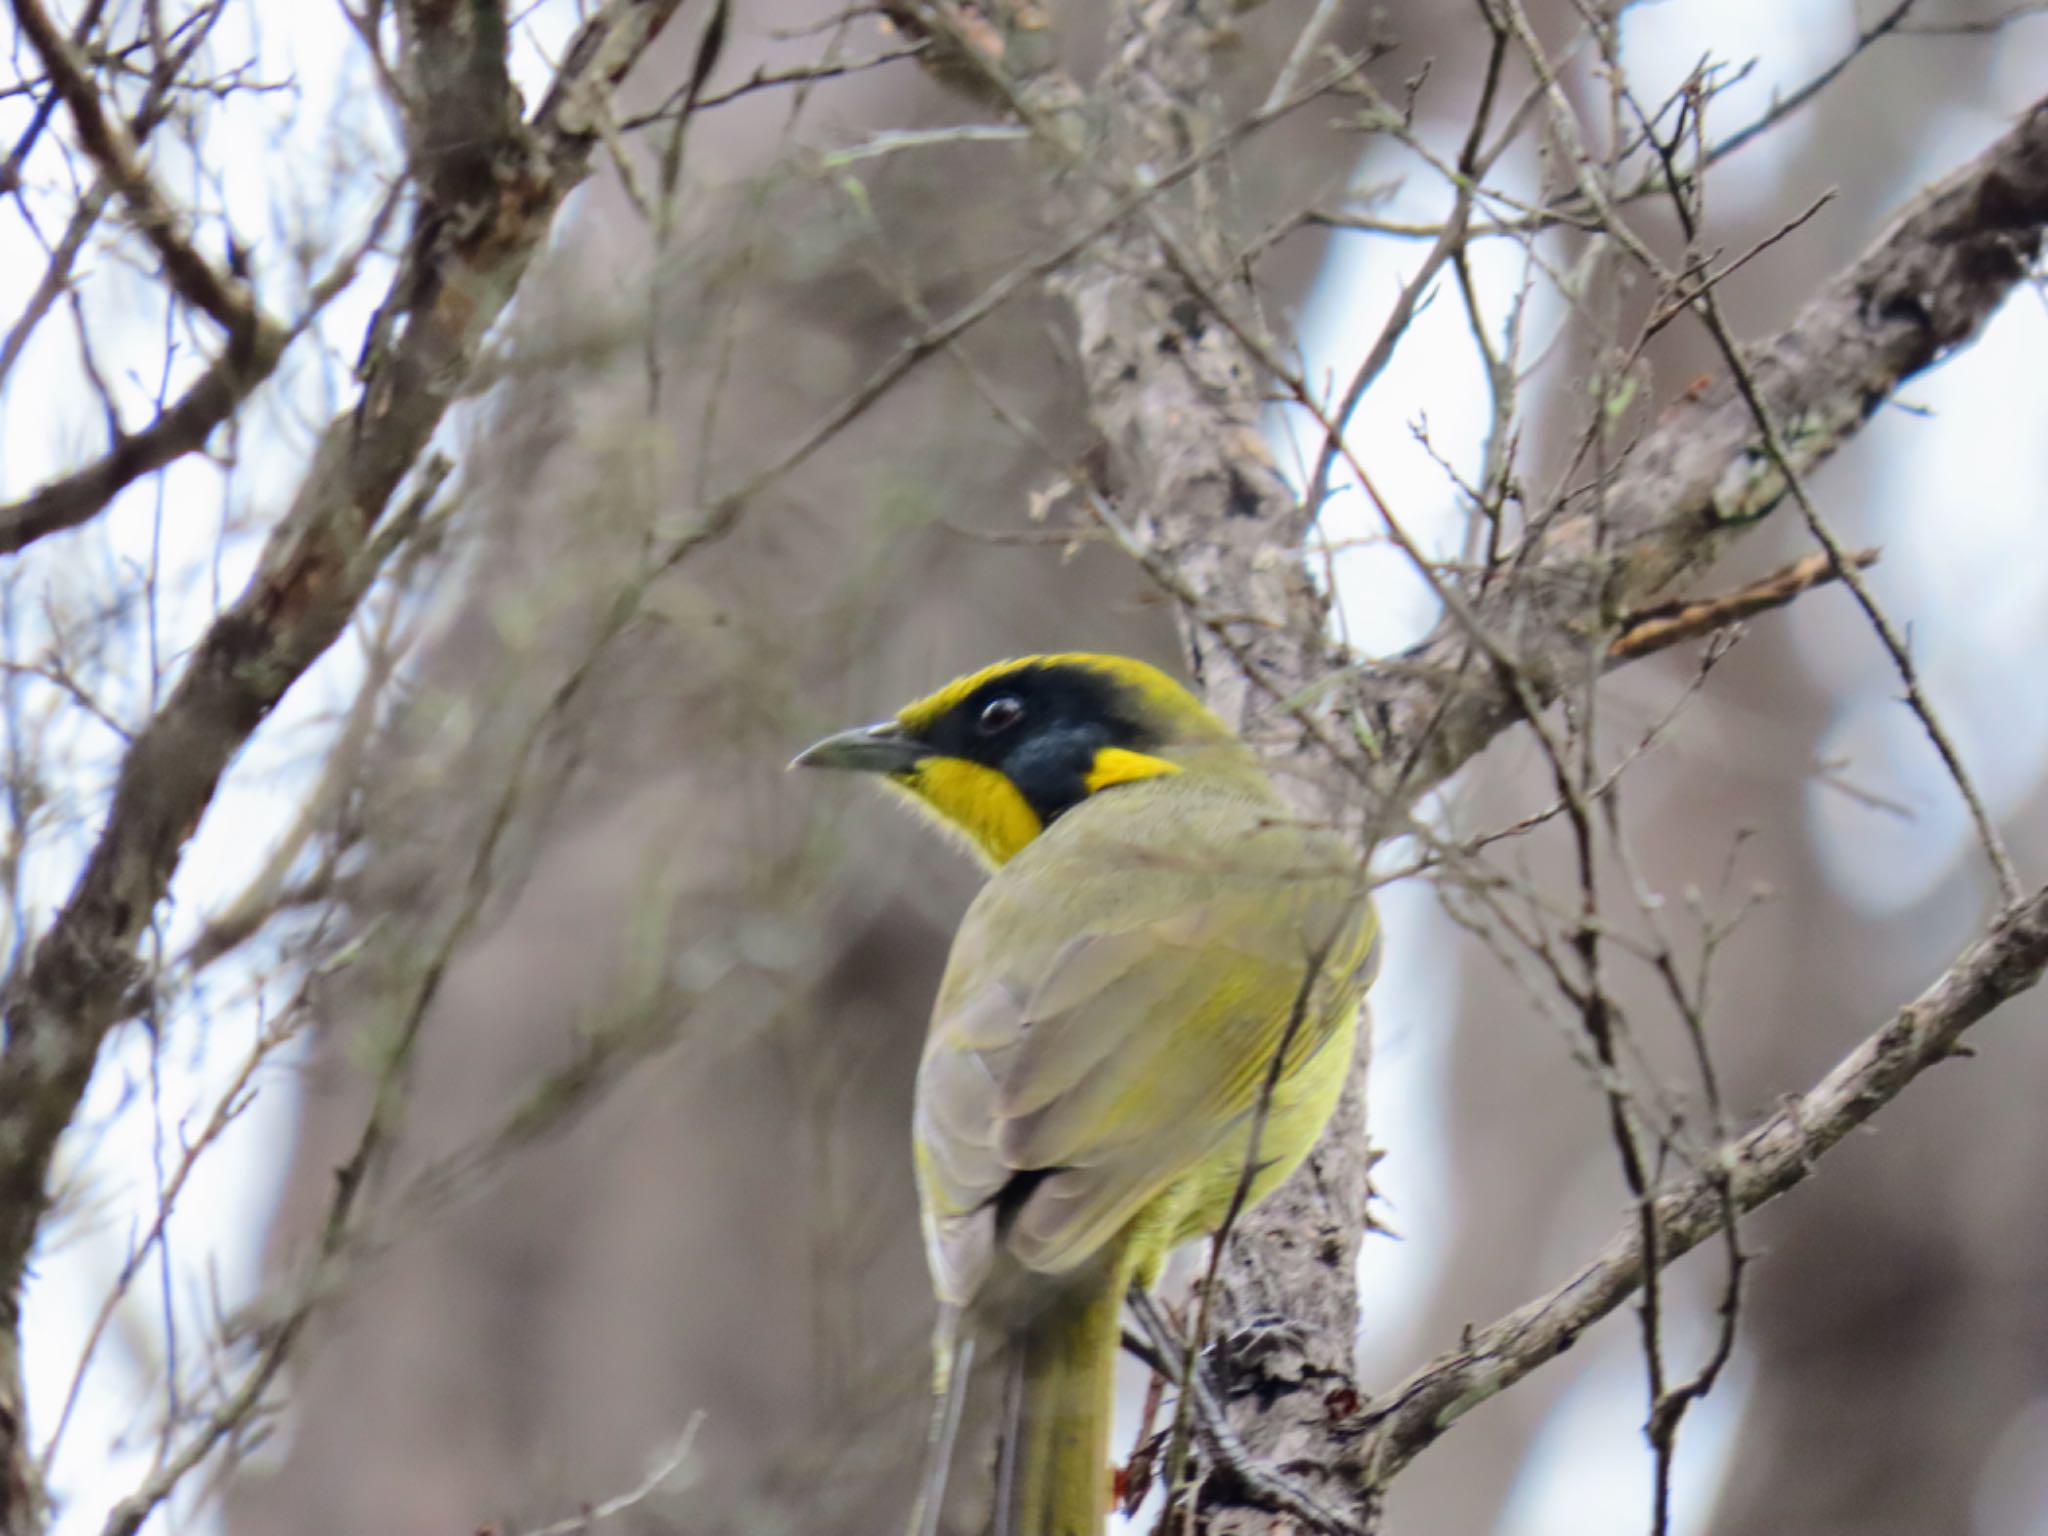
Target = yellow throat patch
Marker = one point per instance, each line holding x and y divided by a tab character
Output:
975	803
988	813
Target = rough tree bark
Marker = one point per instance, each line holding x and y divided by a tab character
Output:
473	238
1174	372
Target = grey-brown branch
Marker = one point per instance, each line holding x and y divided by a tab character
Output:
461	271
1174	391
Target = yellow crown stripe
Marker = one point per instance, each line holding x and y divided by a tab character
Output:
1152	687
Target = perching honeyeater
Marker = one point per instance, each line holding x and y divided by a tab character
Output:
1157	990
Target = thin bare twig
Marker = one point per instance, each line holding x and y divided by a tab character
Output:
317	565
1846	570
227	299
1843	563
660	1475
765	79
1762	1164
1658	628
1450	241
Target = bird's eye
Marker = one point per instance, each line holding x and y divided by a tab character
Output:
1000	714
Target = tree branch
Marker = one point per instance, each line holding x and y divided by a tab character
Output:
1760	1165
1172	365
1177	401
185	425
1664	625
316	566
227	299
1704	475
461	113
182	428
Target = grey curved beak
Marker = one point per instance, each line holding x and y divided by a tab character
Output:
878	748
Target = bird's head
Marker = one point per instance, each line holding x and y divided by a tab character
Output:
999	755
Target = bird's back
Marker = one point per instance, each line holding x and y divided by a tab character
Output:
1110	1019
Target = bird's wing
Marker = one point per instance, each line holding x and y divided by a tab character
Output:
1106	1047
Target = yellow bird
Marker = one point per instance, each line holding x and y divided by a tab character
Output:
1146	1018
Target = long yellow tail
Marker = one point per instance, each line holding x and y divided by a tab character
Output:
1052	1469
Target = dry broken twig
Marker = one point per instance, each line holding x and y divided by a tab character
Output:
1664	625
